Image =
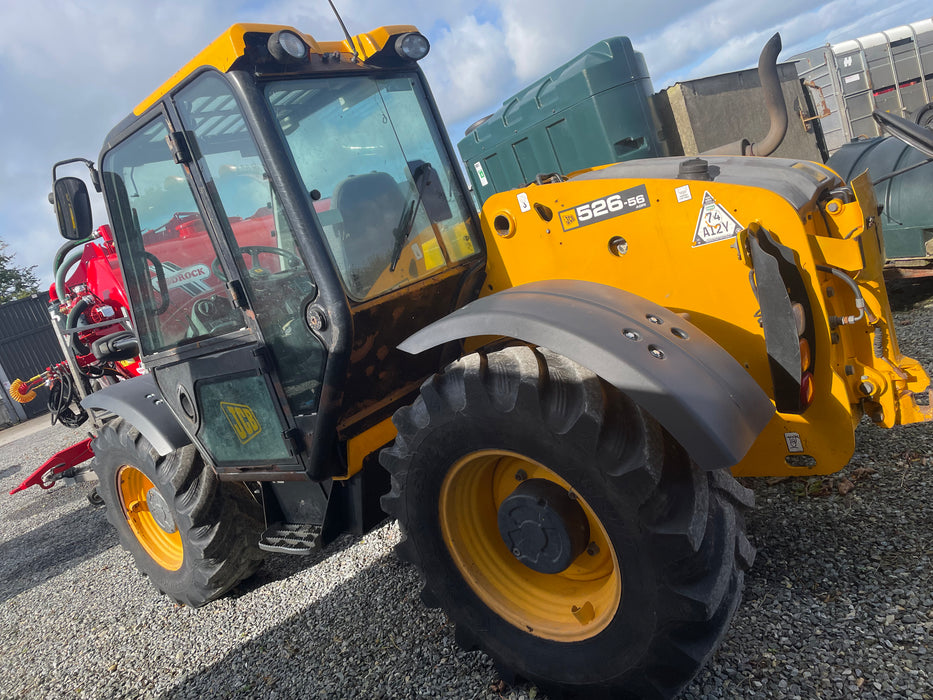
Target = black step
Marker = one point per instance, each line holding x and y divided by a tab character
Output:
291	538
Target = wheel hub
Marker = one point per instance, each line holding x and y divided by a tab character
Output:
160	511
543	526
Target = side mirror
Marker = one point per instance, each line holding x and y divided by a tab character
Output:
905	130
73	208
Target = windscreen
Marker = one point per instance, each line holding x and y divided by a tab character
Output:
383	188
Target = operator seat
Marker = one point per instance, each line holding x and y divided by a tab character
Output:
370	206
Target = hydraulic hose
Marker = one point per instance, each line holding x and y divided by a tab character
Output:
62	395
62	271
836	321
72	322
69	245
75	313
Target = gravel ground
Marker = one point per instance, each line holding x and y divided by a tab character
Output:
839	603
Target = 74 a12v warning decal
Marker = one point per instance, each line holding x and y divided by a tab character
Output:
597	210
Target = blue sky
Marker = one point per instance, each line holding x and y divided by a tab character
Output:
70	70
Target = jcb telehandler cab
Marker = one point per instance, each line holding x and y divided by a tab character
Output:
558	386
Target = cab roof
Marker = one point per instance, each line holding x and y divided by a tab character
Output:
231	45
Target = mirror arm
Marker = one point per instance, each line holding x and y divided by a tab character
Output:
95	176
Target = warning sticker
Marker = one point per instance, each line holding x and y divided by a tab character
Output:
523	202
794	443
481	173
683	193
714	223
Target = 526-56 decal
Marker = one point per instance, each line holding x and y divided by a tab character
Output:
623	202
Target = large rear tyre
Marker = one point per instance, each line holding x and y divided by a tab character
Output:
562	530
194	536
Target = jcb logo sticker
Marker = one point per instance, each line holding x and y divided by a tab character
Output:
598	210
242	420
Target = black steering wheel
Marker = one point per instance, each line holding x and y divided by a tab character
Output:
256	271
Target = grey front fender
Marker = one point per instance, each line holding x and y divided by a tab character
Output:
139	402
672	369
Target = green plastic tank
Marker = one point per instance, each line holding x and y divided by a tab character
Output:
593	110
907	199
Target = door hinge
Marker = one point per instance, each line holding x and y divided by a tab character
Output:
178	143
293	442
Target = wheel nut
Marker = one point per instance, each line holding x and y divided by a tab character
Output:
521	475
592	549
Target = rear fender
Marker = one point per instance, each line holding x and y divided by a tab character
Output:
140	404
671	368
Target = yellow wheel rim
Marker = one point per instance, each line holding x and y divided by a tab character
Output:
164	547
570	606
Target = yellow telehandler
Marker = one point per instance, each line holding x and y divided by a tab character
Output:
553	395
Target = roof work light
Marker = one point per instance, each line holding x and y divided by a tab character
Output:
287	47
413	46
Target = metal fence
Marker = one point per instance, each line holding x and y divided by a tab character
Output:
27	347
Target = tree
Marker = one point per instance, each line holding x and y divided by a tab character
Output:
15	282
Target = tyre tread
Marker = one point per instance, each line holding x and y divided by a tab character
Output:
694	518
220	521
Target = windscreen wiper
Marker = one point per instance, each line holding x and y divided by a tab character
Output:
406	221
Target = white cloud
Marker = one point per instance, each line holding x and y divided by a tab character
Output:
467	65
543	34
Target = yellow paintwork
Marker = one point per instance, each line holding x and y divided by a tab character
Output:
573	605
229	46
165	548
364	444
369	44
711	285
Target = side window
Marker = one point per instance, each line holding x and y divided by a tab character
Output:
278	282
169	259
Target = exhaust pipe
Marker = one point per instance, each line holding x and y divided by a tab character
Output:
774	102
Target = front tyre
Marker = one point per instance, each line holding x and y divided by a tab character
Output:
562	530
194	536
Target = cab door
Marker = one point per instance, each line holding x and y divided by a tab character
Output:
217	289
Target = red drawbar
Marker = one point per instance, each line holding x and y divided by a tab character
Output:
59	462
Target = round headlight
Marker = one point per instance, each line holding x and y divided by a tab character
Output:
412	46
287	47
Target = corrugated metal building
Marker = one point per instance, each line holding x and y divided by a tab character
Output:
27	347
